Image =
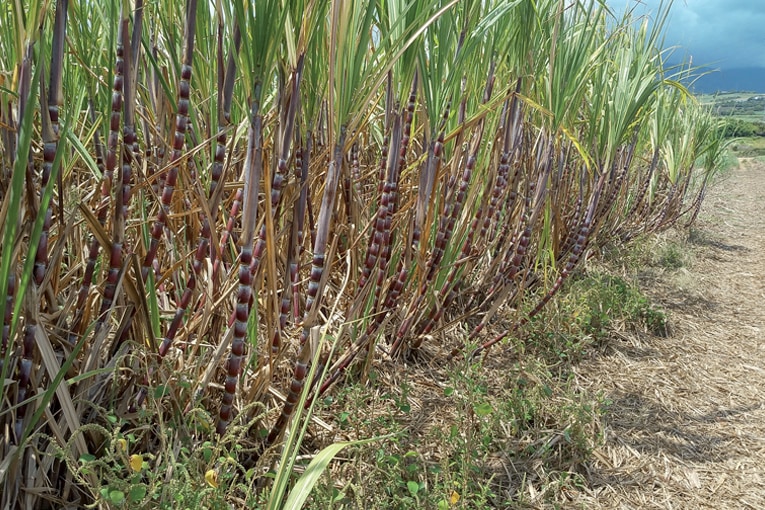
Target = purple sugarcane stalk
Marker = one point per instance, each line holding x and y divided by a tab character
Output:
302	160
696	206
516	252
93	245
342	364
24	375
236	205
10	294
581	243
181	124
442	238
448	221
391	188
149	262
645	184
225	98
27	346
395	173
447	293
394	292
428	178
115	257
575	216
278	183
203	243
253	169
314	285
50	135
377	237
130	149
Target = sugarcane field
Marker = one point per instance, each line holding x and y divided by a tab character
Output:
373	254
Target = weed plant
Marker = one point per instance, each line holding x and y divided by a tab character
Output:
486	431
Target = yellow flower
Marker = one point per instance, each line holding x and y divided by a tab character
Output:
136	462
121	445
212	478
454	498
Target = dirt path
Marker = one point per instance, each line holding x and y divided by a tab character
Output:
686	426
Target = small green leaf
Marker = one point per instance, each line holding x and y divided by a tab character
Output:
448	392
484	409
160	391
137	493
413	487
87	457
117	497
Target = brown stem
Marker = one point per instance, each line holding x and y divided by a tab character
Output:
181	124
314	286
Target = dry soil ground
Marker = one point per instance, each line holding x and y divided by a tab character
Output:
686	424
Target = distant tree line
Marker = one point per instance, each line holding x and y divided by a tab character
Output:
752	106
738	128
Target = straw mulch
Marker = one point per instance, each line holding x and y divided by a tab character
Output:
686	423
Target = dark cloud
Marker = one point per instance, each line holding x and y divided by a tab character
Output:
722	34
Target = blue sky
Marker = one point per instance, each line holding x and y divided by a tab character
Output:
722	34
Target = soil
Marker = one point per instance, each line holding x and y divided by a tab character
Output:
685	427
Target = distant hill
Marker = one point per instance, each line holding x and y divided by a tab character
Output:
750	79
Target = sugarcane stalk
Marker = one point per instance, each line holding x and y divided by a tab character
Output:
203	243
376	238
225	99
583	238
181	125
50	135
314	286
253	171
278	183
115	256
428	178
302	160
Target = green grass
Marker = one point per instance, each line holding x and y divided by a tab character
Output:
470	440
744	116
455	440
728	161
750	147
750	117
